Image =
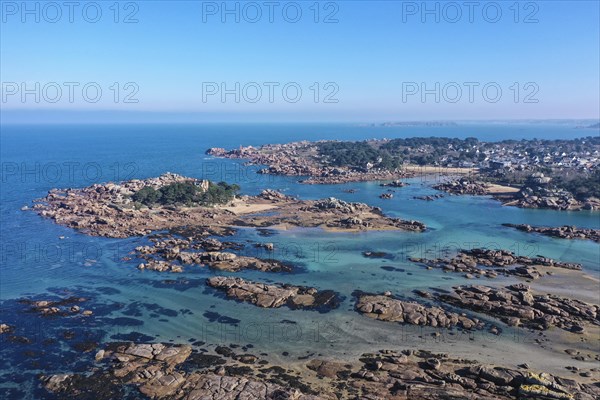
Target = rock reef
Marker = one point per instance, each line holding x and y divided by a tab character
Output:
275	296
394	184
64	307
495	262
562	232
516	305
387	308
171	254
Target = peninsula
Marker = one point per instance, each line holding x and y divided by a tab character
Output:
556	174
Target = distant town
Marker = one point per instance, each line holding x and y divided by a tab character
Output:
560	174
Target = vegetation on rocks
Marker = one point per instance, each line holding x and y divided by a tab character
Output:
582	186
358	154
187	193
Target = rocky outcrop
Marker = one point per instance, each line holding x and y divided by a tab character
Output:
377	254
386	196
329	368
562	232
108	210
274	195
171	254
464	186
300	159
345	215
216	387
516	305
490	263
341	206
274	296
64	307
546	197
394	184
4	328
160	266
387	308
529	196
424	375
429	198
162	371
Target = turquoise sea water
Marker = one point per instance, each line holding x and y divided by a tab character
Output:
36	262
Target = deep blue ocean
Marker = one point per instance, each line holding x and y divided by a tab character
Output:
44	260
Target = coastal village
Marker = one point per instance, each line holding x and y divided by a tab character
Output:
577	155
556	174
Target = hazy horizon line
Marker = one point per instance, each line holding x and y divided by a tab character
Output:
22	117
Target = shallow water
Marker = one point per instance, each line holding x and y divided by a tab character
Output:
37	262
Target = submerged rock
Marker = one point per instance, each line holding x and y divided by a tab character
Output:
562	232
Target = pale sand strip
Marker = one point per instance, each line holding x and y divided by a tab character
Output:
243	208
495	189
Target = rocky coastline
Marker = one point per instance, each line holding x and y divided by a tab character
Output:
167	371
108	210
525	197
300	159
561	232
334	162
464	186
160	370
156	370
554	199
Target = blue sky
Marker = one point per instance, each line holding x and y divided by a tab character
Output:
367	65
